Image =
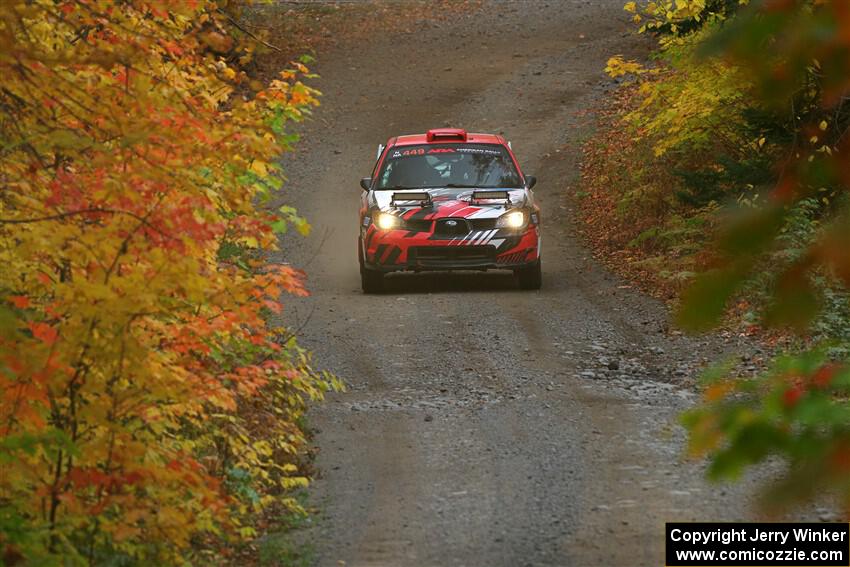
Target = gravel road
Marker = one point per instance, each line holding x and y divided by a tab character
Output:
486	426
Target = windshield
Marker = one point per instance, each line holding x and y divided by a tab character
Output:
485	166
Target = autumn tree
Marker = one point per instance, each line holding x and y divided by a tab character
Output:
145	402
755	93
797	54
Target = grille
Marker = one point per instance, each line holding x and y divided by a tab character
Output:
514	258
451	227
483	224
417	225
452	256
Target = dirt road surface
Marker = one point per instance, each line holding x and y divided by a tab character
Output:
486	426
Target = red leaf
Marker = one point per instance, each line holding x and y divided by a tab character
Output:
44	332
824	375
19	301
792	395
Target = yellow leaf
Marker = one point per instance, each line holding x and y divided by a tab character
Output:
617	66
823	125
260	168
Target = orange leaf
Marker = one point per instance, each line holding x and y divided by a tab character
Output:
44	332
19	301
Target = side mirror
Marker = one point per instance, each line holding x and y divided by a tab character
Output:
530	181
366	183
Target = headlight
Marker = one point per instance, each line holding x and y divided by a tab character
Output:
513	219
386	221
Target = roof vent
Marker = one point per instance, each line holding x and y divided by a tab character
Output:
446	135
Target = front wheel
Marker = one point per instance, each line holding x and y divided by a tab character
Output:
530	277
372	281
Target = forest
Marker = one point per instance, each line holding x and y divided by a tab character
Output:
154	394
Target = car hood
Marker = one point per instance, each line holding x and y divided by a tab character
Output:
449	203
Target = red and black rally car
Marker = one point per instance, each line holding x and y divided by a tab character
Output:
448	200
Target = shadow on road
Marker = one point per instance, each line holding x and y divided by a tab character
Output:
439	282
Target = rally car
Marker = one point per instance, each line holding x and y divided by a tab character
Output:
448	200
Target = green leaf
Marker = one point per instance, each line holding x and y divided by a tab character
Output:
705	301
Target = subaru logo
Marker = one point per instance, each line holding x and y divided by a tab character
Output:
451	223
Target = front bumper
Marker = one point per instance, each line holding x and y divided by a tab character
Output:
404	250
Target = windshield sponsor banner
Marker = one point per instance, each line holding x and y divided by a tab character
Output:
481	151
414	151
757	544
407	152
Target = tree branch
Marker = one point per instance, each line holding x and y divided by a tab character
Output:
60	216
248	33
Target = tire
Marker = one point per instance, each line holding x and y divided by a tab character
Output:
372	281
530	277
